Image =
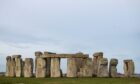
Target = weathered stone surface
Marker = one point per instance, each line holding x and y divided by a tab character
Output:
37	54
40	68
103	68
28	67
9	67
13	64
96	58
18	65
113	68
87	69
55	67
129	68
48	61
80	61
72	67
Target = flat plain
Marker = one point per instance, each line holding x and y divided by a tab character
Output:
5	80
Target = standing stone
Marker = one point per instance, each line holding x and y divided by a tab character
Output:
96	58
55	67
13	67
129	68
18	65
113	68
79	61
71	67
87	69
37	54
103	68
28	67
40	67
8	66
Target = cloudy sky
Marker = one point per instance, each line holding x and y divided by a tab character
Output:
70	26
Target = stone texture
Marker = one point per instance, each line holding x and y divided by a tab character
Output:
10	67
28	67
40	68
87	69
79	61
48	65
103	68
18	65
72	67
113	68
55	67
14	66
96	58
37	55
129	68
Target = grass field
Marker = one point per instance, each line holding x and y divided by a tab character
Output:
4	80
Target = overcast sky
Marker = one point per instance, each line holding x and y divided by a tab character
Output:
70	26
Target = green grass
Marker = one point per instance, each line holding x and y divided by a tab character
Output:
4	80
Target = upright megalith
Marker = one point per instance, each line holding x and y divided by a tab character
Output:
55	67
103	68
37	55
113	68
72	67
87	69
40	65
129	68
9	67
96	58
18	65
28	67
40	68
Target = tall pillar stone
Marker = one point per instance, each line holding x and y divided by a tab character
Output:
72	67
103	68
113	68
96	58
87	69
9	67
28	67
13	67
129	68
37	54
18	65
55	67
40	67
79	61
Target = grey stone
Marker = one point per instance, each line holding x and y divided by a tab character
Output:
40	68
113	68
18	65
37	54
9	67
55	67
72	67
87	69
28	67
96	58
129	68
103	68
